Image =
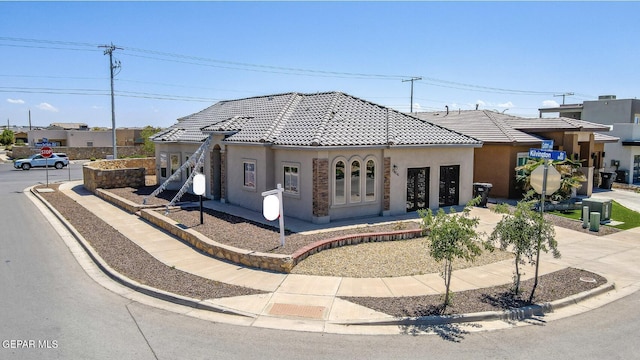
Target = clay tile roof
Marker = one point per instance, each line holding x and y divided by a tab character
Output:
321	119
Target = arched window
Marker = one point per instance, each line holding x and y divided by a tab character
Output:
370	181
355	182
339	183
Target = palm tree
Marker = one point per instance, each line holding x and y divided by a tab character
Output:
571	177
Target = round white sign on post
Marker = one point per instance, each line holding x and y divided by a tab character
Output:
199	184
553	179
271	207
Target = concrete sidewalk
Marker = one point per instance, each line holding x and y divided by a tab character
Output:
313	303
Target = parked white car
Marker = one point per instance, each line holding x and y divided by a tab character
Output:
38	160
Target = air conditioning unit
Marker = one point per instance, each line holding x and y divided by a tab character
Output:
603	206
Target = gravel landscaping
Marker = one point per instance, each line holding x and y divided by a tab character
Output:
381	259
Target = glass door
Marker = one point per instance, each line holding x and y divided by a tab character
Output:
417	189
449	185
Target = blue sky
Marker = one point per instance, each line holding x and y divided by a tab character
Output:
178	58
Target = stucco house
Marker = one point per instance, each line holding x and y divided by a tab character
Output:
337	156
623	117
507	140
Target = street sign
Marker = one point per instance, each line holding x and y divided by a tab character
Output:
199	188
553	179
199	184
272	208
547	145
547	154
46	152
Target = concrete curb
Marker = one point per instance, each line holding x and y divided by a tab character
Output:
522	313
130	283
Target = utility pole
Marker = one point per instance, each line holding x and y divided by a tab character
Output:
412	80
565	94
109	50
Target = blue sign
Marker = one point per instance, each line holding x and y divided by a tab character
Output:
42	144
547	145
547	154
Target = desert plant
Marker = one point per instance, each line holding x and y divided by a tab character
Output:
7	137
149	147
525	232
451	237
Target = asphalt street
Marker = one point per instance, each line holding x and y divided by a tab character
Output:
47	298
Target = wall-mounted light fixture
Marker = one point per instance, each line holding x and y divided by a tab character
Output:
395	169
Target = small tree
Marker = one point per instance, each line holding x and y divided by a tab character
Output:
452	237
7	137
524	230
149	147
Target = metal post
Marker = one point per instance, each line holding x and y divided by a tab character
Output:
542	196
281	218
201	216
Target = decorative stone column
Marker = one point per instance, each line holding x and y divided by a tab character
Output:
321	191
223	175
386	197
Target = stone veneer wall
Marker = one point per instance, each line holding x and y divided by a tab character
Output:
223	175
387	184
79	153
320	187
108	174
272	262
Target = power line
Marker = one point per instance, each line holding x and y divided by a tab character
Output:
234	65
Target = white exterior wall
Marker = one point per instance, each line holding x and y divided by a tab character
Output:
624	154
98	138
301	205
269	172
182	150
237	193
433	158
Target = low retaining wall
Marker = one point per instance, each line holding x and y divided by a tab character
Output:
354	239
128	206
272	262
109	174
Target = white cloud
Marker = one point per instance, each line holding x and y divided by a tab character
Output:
550	103
508	104
15	101
479	103
416	107
47	107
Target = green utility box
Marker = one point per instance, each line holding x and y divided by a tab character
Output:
602	206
